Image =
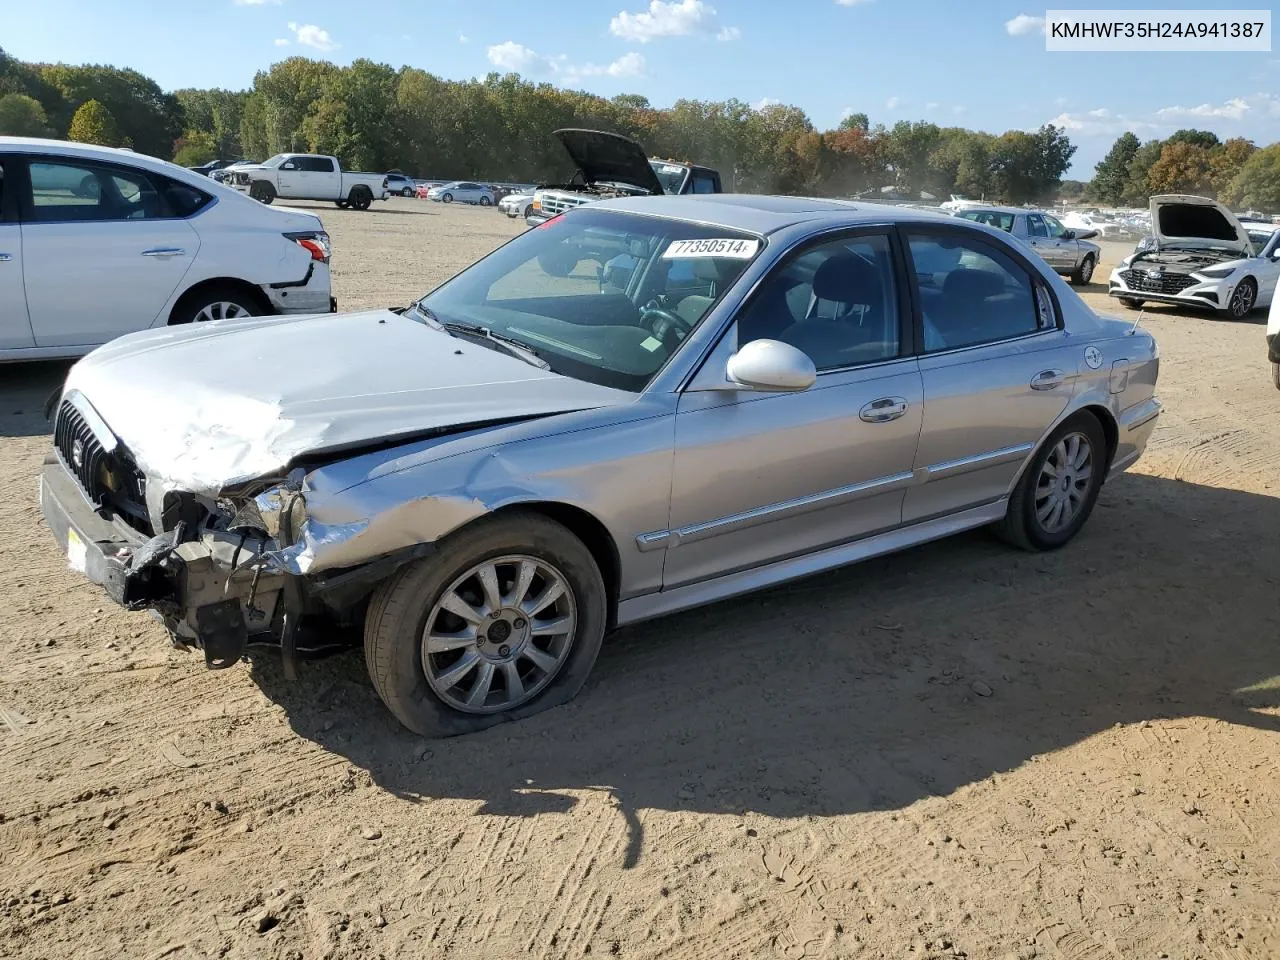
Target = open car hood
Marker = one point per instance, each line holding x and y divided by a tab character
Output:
610	158
1182	222
212	405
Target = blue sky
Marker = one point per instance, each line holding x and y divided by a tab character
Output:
978	65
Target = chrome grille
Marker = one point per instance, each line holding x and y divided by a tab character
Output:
108	481
1161	282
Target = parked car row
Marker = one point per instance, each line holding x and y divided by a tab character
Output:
97	242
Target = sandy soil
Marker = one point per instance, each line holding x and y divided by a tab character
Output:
960	751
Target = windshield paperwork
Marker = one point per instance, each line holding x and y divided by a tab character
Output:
601	296
670	175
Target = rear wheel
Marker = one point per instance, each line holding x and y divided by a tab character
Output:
485	201
262	191
1083	273
406	192
1059	488
218	302
1131	303
503	621
1242	299
361	197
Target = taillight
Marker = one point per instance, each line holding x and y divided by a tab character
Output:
316	244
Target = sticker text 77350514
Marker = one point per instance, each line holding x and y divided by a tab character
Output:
732	248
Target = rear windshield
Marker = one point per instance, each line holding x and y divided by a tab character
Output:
602	296
992	218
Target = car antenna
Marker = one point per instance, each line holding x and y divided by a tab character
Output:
1134	329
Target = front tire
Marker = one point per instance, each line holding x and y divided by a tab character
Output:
406	192
262	191
1083	273
1243	298
485	201
1059	488
503	621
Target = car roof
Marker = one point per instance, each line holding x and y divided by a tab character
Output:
764	214
88	151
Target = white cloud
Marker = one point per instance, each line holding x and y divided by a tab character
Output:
1102	113
257	3
769	102
893	103
462	38
729	33
309	35
1233	109
1022	24
518	58
1100	123
281	42
676	18
851	3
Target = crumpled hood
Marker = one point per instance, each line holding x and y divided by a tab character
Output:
206	406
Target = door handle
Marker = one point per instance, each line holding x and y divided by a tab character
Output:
883	410
5	258
1048	379
164	252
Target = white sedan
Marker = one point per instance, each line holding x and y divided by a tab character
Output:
97	242
519	204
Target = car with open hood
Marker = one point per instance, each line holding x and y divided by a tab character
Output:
1199	255
611	165
641	406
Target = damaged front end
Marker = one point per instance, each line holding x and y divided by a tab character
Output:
220	573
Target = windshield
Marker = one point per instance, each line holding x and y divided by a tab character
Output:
602	296
670	175
275	161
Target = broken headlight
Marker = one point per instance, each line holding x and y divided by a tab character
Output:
282	512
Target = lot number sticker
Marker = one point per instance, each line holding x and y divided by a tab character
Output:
729	248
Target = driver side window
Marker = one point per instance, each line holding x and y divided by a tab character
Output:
836	302
63	192
1056	229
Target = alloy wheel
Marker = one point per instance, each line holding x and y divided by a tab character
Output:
1062	488
499	634
1086	270
221	310
1242	299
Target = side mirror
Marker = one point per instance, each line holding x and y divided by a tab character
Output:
1069	235
1087	235
773	366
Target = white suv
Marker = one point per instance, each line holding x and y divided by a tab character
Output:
97	242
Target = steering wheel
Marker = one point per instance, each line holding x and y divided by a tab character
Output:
667	326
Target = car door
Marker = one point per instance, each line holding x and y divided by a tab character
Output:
1067	251
1038	238
15	327
1268	265
102	253
996	366
323	179
759	477
291	178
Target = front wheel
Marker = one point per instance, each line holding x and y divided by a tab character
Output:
1242	299
1059	488
262	191
503	621
485	201
1083	273
406	192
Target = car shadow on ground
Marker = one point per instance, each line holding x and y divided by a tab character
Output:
28	388
877	685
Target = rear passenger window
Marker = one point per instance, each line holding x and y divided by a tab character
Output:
836	302
971	293
183	200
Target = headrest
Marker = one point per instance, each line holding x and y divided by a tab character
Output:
846	278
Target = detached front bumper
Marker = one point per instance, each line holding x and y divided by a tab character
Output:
195	586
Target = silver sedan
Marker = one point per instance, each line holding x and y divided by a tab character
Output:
1068	251
642	406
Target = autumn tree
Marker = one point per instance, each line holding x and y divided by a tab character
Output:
93	123
1183	167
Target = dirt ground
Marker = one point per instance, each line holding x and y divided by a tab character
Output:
959	751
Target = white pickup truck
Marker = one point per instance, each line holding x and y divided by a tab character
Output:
308	176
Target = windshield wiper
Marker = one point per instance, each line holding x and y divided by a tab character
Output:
431	319
514	347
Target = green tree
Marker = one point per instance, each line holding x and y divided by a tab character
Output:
1257	185
1111	175
218	113
856	121
1228	161
144	114
1029	166
1196	138
93	123
195	147
22	116
909	149
1136	188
